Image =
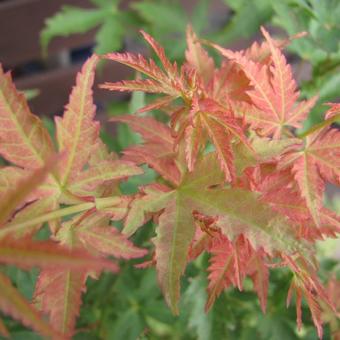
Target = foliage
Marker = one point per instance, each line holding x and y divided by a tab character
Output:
320	48
81	185
116	24
72	20
320	19
233	180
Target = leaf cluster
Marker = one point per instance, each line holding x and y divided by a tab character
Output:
76	192
255	201
234	181
319	48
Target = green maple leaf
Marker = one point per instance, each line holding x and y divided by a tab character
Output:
238	211
71	20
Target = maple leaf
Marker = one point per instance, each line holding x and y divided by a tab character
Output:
266	151
198	58
201	242
229	84
11	301
26	253
176	223
306	283
231	262
77	137
97	235
3	330
174	234
58	292
85	183
170	68
23	139
14	196
28	133
153	199
274	92
227	266
222	142
260	186
89	180
259	273
167	82
158	148
206	116
15	305
333	111
253	198
76	131
314	163
194	141
150	130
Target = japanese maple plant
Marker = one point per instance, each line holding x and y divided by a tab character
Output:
234	179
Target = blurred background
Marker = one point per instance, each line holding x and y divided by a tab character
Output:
44	43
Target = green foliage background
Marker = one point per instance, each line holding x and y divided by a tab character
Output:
130	306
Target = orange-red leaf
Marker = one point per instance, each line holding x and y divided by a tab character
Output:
159	50
259	273
274	92
24	140
13	197
96	235
3	330
220	269
58	294
89	180
221	139
313	164
32	210
229	83
25	253
147	85
195	140
77	132
15	305
147	67
150	129
198	58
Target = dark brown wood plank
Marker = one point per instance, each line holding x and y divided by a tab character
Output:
21	22
55	85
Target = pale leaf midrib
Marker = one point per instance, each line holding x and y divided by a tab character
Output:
282	85
20	129
75	143
67	299
308	194
172	257
264	95
324	161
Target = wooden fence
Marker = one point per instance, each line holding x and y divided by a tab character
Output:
21	22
